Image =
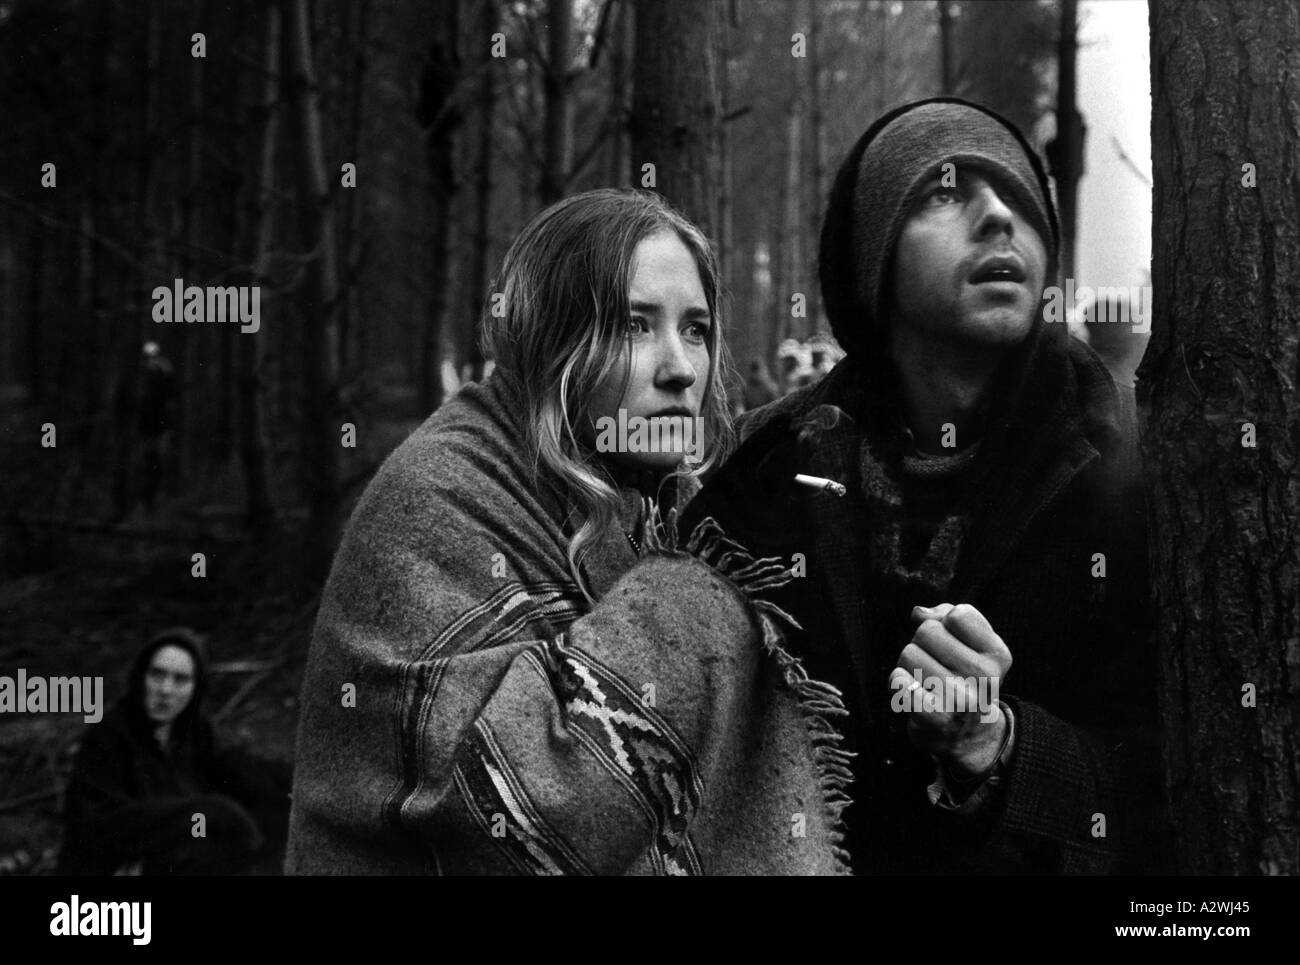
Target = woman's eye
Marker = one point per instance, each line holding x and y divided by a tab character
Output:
698	330
943	195
636	325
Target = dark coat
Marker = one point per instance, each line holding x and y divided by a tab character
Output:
130	800
1058	480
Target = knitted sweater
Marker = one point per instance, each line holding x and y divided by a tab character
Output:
465	710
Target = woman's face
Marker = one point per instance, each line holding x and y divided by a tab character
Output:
168	684
668	348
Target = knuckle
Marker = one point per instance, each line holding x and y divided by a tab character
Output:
962	612
929	630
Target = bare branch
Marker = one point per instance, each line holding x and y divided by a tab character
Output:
602	31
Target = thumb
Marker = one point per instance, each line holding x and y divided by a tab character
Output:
922	613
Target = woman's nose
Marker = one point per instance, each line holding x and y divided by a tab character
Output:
674	367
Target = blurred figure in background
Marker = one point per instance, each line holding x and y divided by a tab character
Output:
794	365
150	791
824	353
760	387
806	363
158	394
1111	329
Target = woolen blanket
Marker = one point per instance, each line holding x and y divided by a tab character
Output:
465	710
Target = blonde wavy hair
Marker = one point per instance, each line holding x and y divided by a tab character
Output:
564	330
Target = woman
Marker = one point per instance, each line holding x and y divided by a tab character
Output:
516	666
150	793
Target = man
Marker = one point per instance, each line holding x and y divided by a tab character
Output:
158	396
978	593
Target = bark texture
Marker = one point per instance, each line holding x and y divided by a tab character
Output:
1223	354
675	105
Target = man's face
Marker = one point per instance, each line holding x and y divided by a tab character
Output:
968	267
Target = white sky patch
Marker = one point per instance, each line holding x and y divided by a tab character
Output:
1113	243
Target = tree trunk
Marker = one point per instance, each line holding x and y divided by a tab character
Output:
557	136
620	58
947	78
1222	366
92	278
35	354
793	274
318	295
10	334
725	239
194	408
816	177
440	114
481	268
252	429
675	108
350	236
128	349
1067	149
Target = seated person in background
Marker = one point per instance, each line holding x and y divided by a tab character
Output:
151	792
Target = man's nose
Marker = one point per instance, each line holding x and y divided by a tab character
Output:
993	215
674	367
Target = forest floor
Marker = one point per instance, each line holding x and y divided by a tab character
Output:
81	596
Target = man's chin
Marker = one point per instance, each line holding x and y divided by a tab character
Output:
1001	326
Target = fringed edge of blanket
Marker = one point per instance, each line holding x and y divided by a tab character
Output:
819	702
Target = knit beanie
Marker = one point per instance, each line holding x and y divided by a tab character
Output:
881	179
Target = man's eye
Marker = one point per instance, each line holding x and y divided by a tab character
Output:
944	195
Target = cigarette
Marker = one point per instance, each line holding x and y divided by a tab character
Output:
818	483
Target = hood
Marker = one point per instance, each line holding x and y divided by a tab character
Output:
934	130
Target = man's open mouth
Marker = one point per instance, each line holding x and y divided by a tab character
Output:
999	268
